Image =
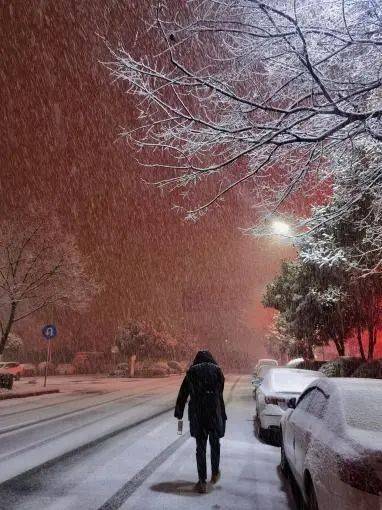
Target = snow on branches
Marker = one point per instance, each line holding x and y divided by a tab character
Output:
39	266
261	93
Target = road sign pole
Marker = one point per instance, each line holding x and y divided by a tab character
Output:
47	361
49	331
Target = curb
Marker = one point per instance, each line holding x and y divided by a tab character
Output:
36	393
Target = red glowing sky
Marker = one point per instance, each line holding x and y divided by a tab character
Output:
61	117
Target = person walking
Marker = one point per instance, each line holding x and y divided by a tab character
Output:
204	384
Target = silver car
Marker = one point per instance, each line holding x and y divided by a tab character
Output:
332	444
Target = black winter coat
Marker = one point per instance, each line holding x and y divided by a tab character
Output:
204	384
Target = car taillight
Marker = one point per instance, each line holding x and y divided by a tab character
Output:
274	400
359	474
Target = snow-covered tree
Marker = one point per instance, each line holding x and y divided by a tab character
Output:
344	244
263	93
314	309
340	294
13	346
40	265
144	341
279	342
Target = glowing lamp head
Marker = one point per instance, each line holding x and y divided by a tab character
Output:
280	227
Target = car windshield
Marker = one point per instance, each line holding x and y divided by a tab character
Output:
263	370
268	362
291	381
363	408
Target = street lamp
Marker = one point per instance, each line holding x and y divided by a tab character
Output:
280	227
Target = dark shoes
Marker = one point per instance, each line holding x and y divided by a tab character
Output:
201	487
216	477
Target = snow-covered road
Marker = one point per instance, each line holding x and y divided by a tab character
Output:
120	450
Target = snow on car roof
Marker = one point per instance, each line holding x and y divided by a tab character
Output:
362	400
290	380
351	383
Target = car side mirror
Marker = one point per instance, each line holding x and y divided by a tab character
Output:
292	403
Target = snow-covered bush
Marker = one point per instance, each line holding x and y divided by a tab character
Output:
175	367
29	370
150	369
371	369
65	369
341	367
51	368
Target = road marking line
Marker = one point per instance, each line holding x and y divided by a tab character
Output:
119	498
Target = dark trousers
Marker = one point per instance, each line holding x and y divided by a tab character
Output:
201	447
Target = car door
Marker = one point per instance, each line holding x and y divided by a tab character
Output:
309	426
293	429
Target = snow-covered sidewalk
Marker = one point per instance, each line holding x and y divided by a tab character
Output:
98	383
250	474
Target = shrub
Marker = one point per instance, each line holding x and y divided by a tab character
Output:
371	369
175	367
123	366
149	369
29	370
341	367
41	368
6	381
65	369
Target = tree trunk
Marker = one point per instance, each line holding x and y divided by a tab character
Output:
309	351
371	338
360	345
7	330
340	346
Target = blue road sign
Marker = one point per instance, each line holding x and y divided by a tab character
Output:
49	331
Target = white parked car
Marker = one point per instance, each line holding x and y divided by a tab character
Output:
259	377
278	387
262	362
332	444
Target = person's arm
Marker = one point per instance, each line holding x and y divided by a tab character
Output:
182	398
221	397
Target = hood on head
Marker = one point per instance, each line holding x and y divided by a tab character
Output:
204	357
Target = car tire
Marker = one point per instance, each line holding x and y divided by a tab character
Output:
284	464
311	498
262	433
